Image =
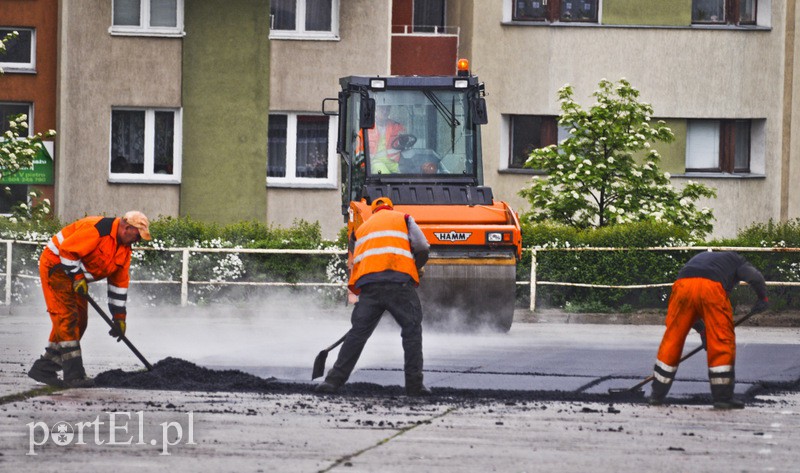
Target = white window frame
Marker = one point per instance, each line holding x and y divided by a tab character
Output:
291	180
143	29
300	33
149	176
20	66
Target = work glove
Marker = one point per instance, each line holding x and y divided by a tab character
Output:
700	327
421	272
118	330
760	306
79	286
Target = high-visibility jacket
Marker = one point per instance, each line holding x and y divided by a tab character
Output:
382	244
380	140
88	248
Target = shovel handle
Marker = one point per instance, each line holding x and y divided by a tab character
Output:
336	344
123	338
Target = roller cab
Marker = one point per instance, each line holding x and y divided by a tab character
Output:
417	141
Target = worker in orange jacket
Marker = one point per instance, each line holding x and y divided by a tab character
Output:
384	158
388	251
700	299
88	250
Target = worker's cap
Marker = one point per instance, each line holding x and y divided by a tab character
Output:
138	220
382	202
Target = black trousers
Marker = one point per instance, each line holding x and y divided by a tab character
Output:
402	302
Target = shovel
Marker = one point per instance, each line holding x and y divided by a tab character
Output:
123	338
319	361
637	388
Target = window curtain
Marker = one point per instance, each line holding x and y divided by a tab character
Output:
127	140
312	146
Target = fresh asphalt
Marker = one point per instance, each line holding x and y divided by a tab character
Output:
547	366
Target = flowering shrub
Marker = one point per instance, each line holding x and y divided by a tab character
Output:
592	177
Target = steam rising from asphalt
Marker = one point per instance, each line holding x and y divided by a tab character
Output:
278	335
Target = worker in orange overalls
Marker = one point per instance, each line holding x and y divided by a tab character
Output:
389	249
700	299
88	250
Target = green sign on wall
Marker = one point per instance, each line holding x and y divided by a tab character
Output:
40	173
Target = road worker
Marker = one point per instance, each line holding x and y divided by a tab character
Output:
700	298
389	250
384	158
88	250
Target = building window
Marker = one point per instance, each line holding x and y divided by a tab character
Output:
20	54
13	194
555	10
147	17
12	109
145	145
301	150
529	132
304	19
428	16
718	146
721	12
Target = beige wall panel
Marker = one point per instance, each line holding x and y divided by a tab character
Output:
682	72
287	205
302	74
96	72
793	189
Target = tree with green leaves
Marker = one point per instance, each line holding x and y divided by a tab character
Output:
607	171
18	149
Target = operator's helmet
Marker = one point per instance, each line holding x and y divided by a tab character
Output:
381	202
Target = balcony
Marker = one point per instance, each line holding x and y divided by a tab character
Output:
424	50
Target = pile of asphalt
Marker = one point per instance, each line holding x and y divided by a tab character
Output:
175	374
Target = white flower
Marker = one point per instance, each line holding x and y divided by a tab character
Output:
610	160
587	162
572	157
684	202
560	166
587	172
572	176
612	209
636	173
667	175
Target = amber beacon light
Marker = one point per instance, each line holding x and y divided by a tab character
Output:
463	67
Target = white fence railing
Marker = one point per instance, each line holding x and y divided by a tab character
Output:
533	282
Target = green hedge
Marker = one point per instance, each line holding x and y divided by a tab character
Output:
631	267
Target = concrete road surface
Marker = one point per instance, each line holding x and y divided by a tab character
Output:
141	430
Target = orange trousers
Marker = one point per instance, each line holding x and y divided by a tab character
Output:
693	299
68	311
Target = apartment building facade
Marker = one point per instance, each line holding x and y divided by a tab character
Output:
213	109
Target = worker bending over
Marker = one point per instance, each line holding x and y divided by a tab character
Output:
88	250
700	298
388	251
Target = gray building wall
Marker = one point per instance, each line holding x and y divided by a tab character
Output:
302	74
682	72
97	71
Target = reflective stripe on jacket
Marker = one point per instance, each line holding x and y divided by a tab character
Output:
382	244
89	247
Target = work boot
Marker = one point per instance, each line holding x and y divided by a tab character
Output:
45	369
85	382
722	395
659	393
42	375
419	390
414	385
326	387
72	362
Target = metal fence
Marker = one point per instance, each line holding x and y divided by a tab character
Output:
534	282
186	254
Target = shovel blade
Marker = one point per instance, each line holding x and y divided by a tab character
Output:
319	365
